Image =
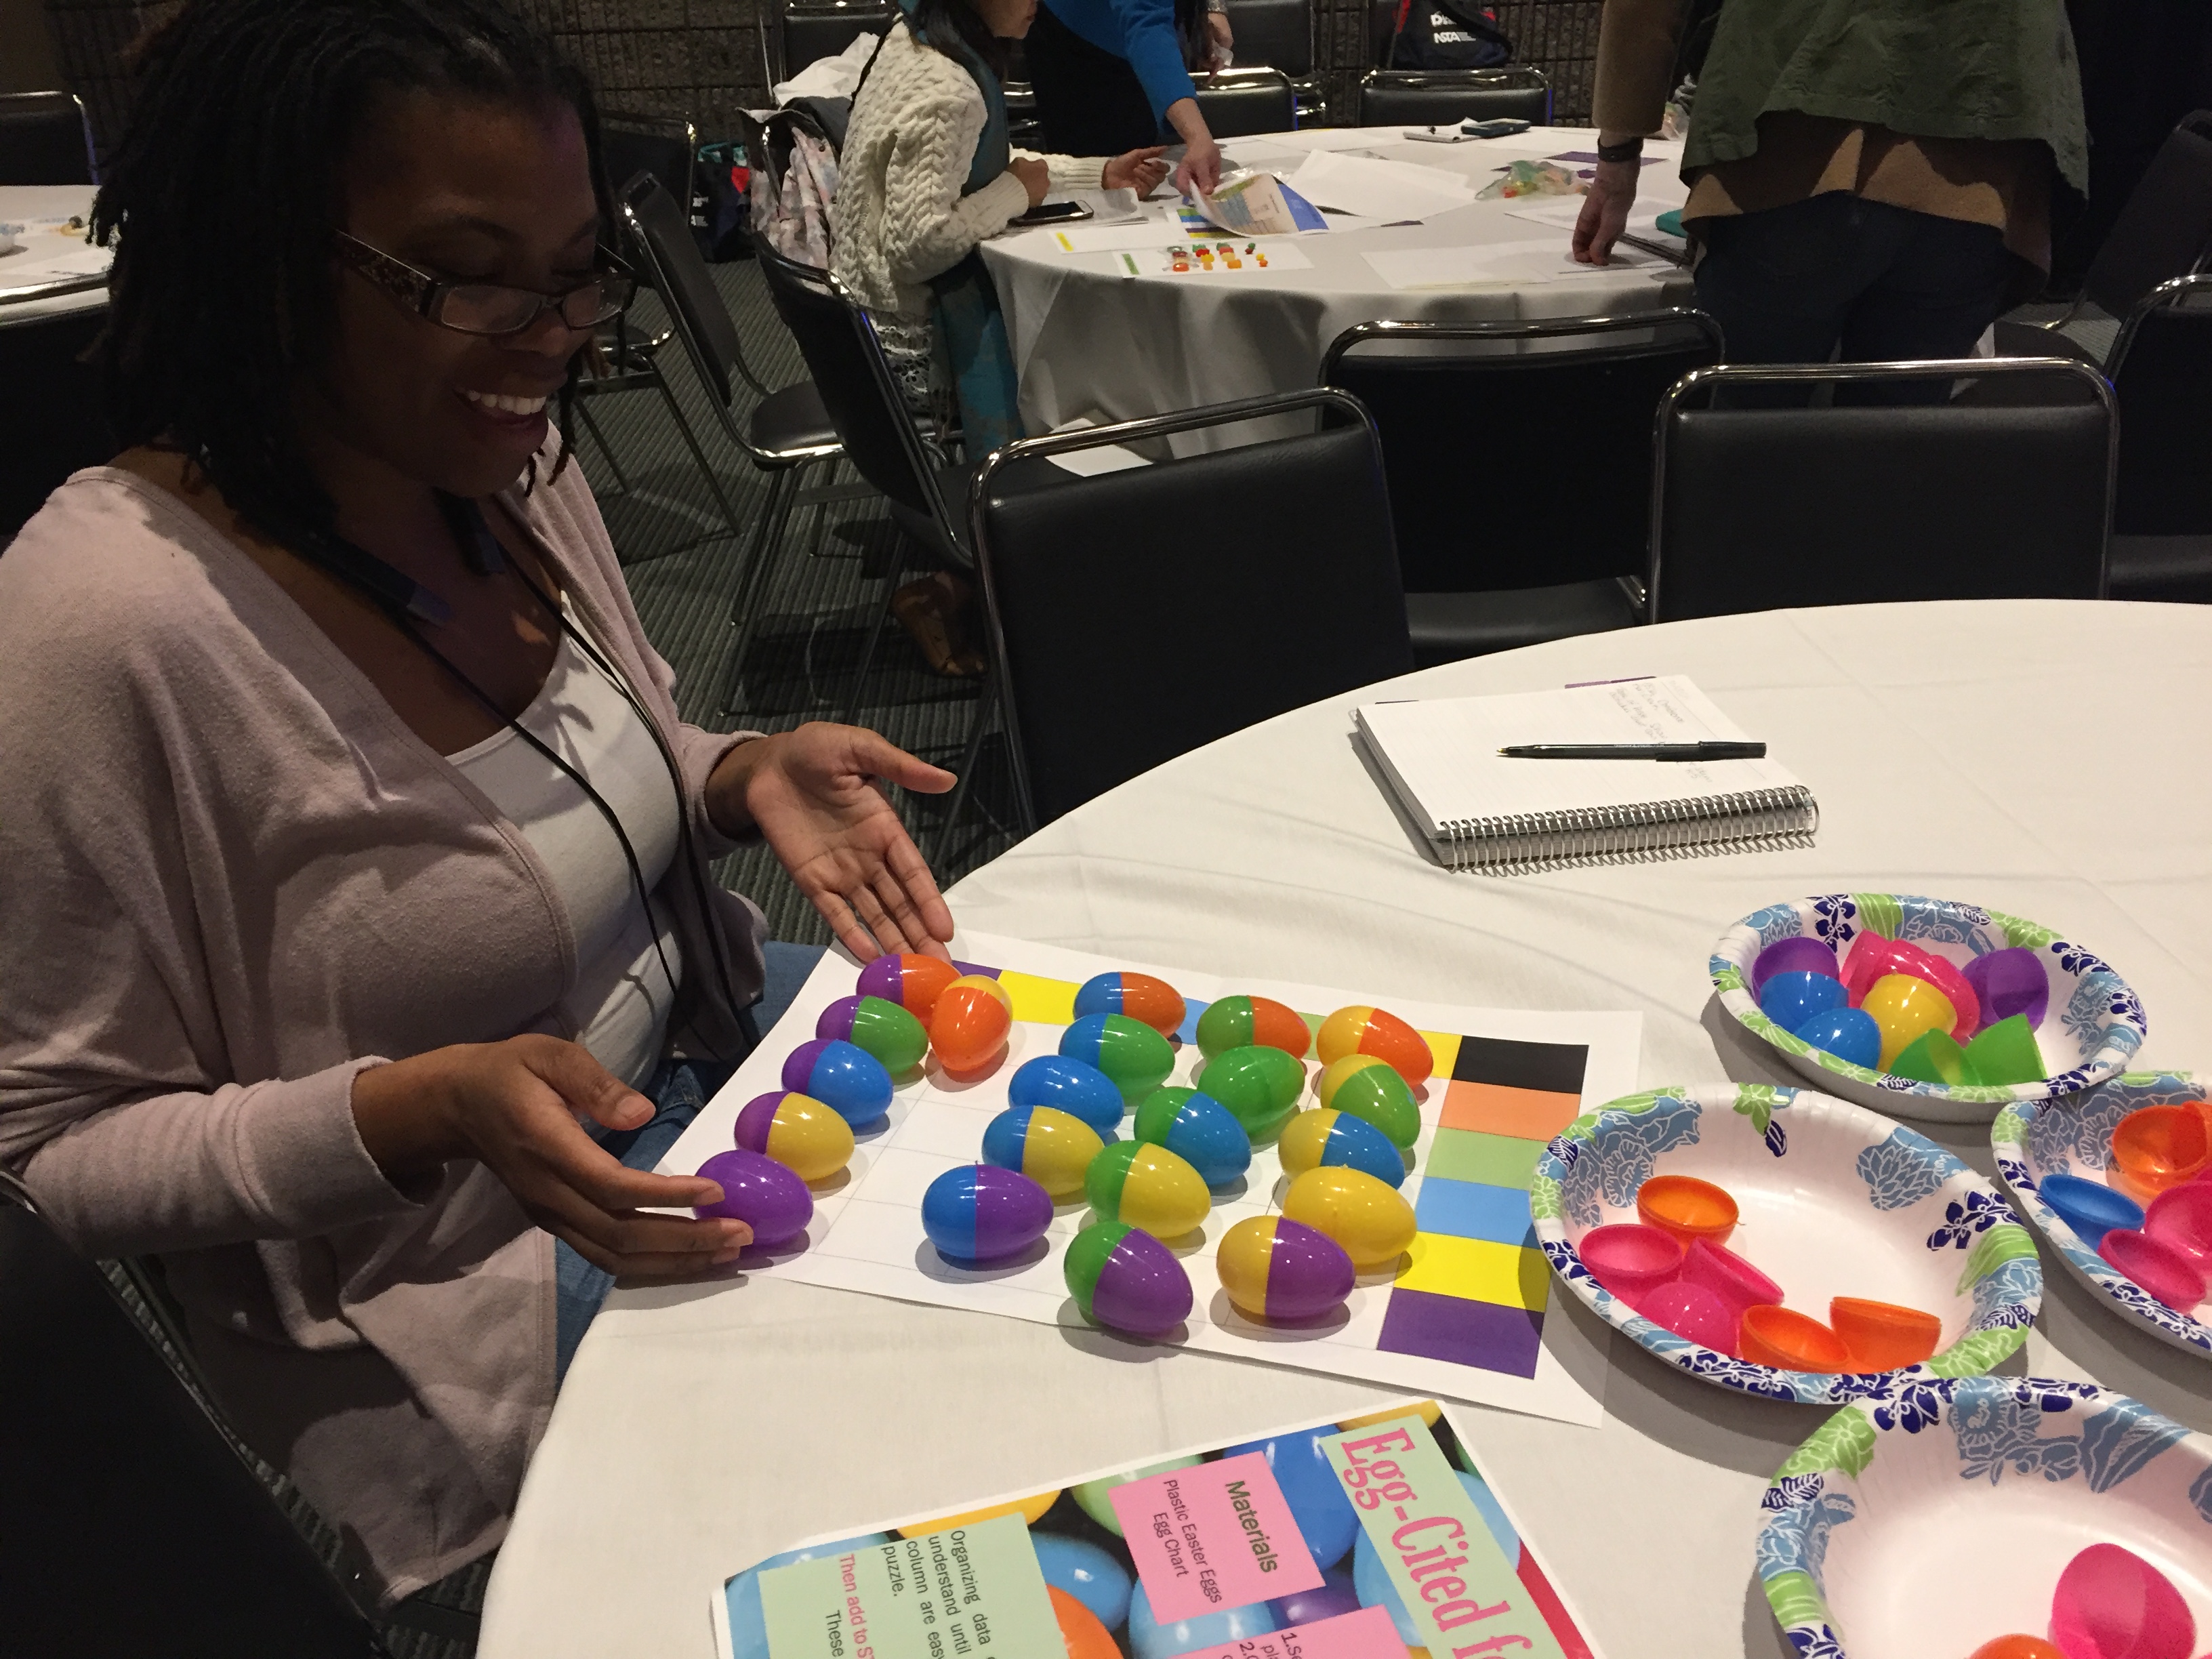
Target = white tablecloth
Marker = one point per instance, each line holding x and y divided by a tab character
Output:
1092	342
43	250
2051	760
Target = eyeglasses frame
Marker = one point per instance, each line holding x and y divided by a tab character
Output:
420	292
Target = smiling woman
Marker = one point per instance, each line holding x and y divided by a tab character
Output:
359	945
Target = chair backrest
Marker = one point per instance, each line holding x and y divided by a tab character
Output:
807	30
1760	509
1239	102
1519	455
44	140
128	1524
679	275
1275	33
667	147
64	426
2161	371
1190	597
2164	230
1392	98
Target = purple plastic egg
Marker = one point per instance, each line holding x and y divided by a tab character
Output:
1792	956
980	1213
2007	982
759	1192
1142	1288
1333	1597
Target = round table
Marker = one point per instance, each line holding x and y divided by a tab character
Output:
2015	753
52	274
1091	341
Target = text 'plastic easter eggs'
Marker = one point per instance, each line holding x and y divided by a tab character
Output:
1132	1053
1147	1187
1095	1497
911	982
1073	1086
761	1193
1259	1087
1252	1022
979	1212
884	1029
1272	1268
850	1081
1363	1031
1140	996
1363	1214
967	1028
1370	1089
799	1131
1051	1147
1123	1277
1340	1140
1198	1129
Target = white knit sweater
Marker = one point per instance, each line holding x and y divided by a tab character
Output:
899	217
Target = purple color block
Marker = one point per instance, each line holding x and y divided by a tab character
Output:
1463	1331
977	967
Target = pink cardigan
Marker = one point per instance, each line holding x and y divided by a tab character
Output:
230	878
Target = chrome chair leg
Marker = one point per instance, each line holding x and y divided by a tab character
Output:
691	442
583	414
753	585
876	628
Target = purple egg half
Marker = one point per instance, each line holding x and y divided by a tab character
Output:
1011	1212
2009	982
798	1064
1330	1599
882	978
759	1192
1307	1272
1142	1288
757	1118
1792	956
836	1020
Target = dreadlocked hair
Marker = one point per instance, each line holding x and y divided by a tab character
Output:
222	198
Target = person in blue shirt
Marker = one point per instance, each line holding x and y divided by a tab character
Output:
1110	75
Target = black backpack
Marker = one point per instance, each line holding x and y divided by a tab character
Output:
1447	35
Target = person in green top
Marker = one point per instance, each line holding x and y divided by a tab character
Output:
1870	179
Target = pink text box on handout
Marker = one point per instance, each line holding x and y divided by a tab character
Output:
1213	1536
1366	1634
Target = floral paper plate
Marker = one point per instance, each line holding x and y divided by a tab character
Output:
1940	1519
2034	1139
1835	1201
2094	1029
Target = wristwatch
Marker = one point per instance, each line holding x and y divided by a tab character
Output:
1628	149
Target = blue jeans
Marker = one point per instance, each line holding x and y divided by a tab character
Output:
679	1089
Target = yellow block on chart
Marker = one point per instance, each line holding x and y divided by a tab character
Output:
1444	1046
1478	1269
1039	1001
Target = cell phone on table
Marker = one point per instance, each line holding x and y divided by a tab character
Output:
1436	135
1054	213
1504	127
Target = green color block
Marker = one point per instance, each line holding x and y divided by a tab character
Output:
1495	1160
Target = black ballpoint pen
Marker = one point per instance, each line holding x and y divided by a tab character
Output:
1652	751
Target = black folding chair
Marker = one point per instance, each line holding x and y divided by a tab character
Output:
2161	374
1239	102
666	146
44	140
796	33
1137	614
1429	98
1756	509
1519	456
1278	34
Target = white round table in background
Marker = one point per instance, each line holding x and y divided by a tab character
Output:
1092	341
31	285
2049	759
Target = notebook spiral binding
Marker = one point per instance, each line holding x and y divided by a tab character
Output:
1620	833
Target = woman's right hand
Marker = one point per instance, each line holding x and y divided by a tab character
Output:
514	1107
1035	177
1140	170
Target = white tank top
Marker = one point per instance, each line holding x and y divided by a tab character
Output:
620	1004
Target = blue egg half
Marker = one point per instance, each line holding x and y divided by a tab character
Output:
1353	1143
1206	1136
1847	1033
1791	999
1074	1086
1318	1502
1085	1572
2091	1210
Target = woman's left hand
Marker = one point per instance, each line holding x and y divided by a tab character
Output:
1219	38
813	794
1140	170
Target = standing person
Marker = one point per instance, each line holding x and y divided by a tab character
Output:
1868	178
1110	75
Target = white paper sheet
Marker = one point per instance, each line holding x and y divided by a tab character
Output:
1376	189
1564	211
1545	260
1269	253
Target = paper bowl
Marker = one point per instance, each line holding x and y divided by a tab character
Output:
2093	1030
2033	1139
1835	1201
1935	1520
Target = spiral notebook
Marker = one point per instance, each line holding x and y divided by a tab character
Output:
1481	811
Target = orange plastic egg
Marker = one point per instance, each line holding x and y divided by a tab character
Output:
1376	1031
967	1027
2017	1647
1079	1628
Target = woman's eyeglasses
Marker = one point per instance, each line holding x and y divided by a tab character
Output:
489	308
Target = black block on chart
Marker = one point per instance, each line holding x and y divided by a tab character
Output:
1763	508
1239	102
1137	614
1422	98
45	139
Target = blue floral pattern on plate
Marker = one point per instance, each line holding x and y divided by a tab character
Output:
1904	1169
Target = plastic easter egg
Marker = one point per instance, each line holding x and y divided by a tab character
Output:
1140	996
1094	1497
1427	1410
2110	1603
1333	1598
1687	1207
911	982
1847	1033
884	1029
1146	1187
967	1028
1150	1639
1632	1259
1363	1031
1127	1050
1729	1277
1260	1086
1791	999
2182	1217
1372	1579
1338	1140
761	1193
1904	1006
1198	1129
1882	1335
1793	956
1048	1145
2016	1647
1080	1630
850	1081
1939	972
1252	1022
1073	1086
1934	1057
2010	982
2156	1147
1791	1341
1873	957
1694	1312
1079	1568
2091	1209
1122	1276
1272	1268
980	1213
1319	1503
748	1628
2007	1052
1031	1509
799	1131
1369	1089
1365	1215
2168	1273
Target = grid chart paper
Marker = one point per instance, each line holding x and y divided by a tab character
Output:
1462	1314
